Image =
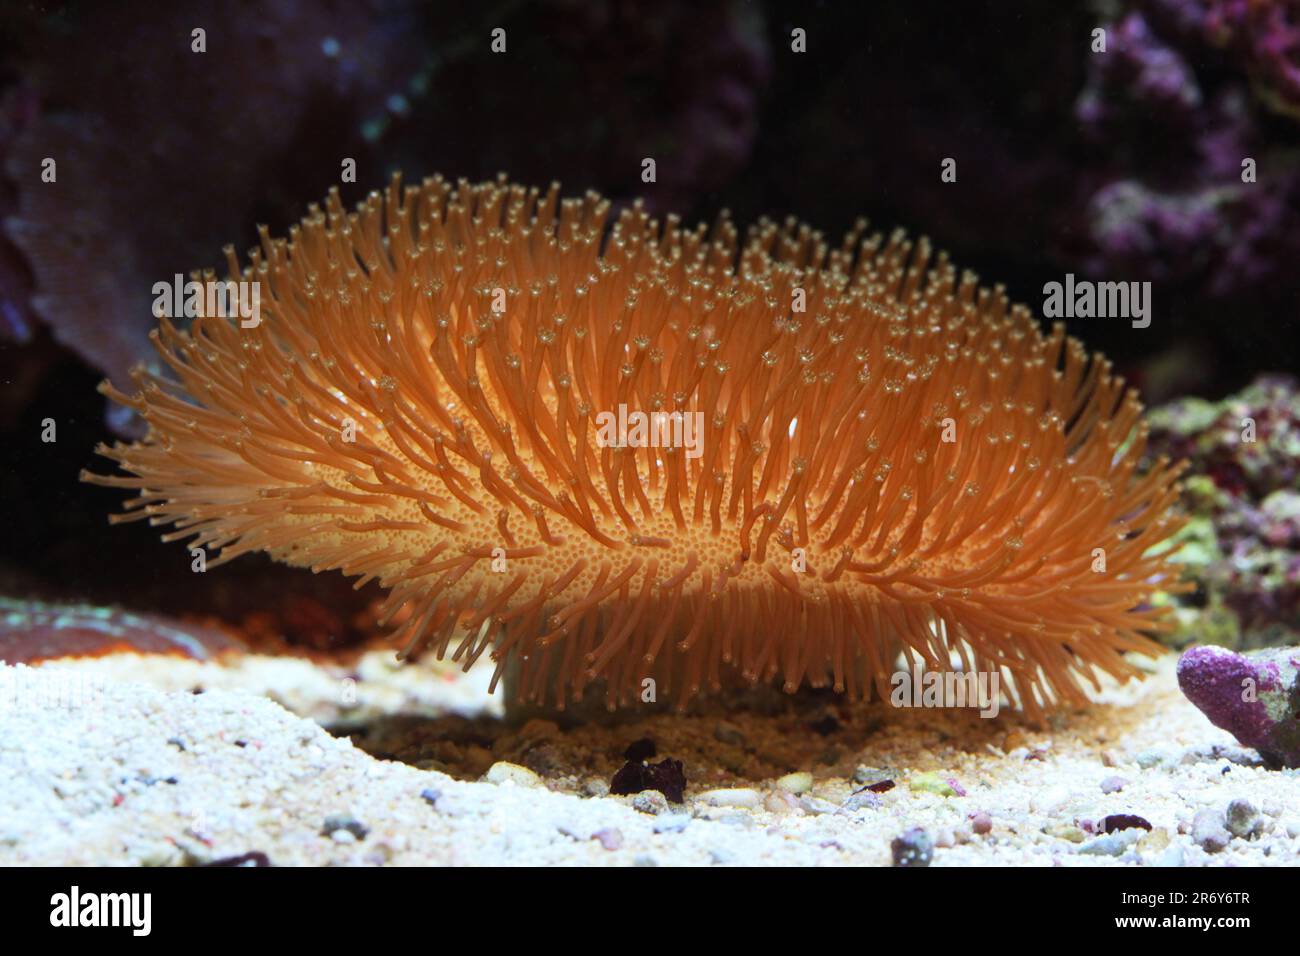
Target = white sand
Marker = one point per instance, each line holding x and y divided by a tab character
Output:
114	761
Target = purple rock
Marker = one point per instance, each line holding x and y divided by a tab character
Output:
1113	784
1255	696
913	848
1208	831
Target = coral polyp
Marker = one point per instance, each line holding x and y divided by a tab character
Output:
888	457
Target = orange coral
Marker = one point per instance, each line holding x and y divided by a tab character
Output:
906	463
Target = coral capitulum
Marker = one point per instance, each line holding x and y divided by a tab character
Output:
893	458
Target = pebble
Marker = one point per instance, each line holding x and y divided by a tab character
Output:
1065	831
1173	856
379	856
167	855
1050	800
796	782
1112	844
337	823
816	805
932	783
820	837
1243	820
503	771
980	822
1113	784
1150	758
732	797
913	848
650	801
572	832
672	823
1208	831
736	819
864	799
1155	841
780	803
720	857
864	774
